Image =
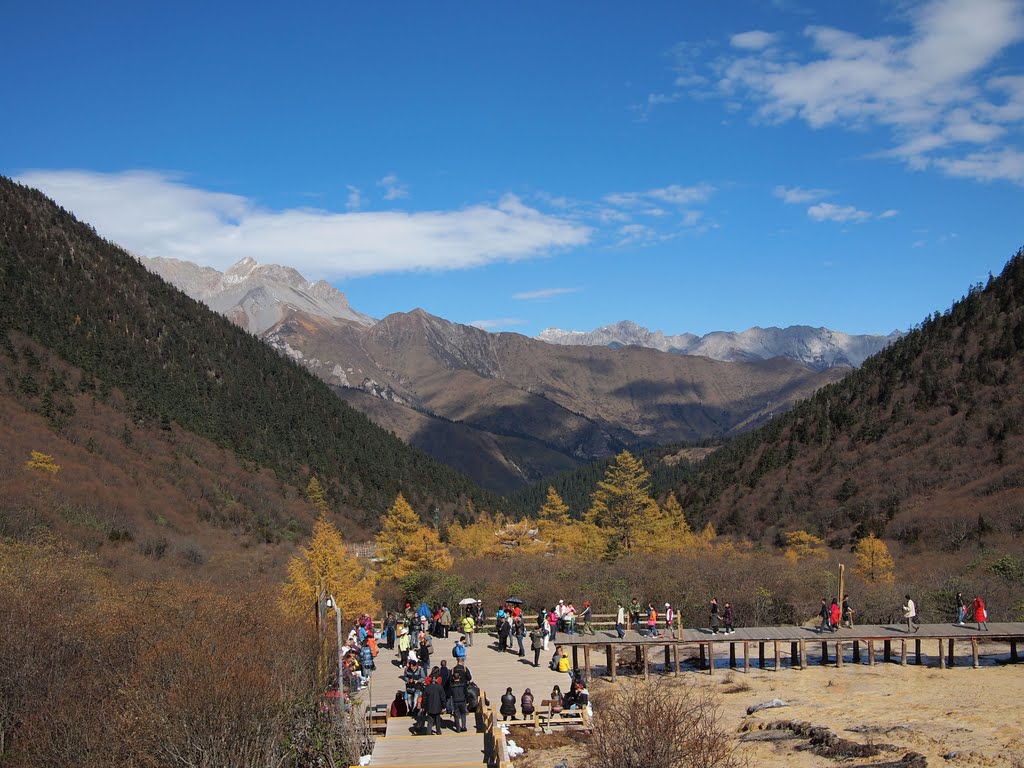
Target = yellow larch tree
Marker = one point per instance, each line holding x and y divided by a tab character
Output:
43	462
622	503
801	545
874	562
475	538
666	530
518	538
327	566
405	545
315	494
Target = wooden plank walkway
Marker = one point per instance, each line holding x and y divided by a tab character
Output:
602	652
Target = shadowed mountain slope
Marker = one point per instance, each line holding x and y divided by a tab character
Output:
923	444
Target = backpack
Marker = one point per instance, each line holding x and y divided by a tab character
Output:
472	695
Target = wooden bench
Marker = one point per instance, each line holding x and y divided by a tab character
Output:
565	717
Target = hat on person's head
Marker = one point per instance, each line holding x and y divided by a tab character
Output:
561	601
667	605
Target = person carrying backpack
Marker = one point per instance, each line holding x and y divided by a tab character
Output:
458	691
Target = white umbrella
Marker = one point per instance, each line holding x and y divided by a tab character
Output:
468	601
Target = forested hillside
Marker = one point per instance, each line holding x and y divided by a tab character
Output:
94	307
923	444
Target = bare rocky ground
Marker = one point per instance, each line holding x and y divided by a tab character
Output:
916	716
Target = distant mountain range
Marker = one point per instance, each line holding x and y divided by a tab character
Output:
506	409
820	348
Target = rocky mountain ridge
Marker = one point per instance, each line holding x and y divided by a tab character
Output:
505	408
820	348
256	296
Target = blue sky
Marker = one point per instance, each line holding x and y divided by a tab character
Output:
689	166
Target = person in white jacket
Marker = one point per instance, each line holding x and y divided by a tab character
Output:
910	613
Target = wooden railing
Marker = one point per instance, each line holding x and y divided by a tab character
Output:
495	751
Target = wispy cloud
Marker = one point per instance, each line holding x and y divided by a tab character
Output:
931	88
799	195
393	188
888	214
544	293
754	40
674	194
156	214
499	322
354	201
840	213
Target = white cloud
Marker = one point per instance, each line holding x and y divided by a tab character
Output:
354	201
544	293
928	87
156	214
393	188
754	40
799	195
498	322
674	194
1000	165
691	218
638	234
888	214
840	213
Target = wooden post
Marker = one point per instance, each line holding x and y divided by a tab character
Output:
778	656
612	660
856	651
1013	651
760	653
839	653
586	661
575	657
942	657
732	655
668	657
803	654
794	654
675	660
887	654
842	586
952	658
824	653
711	657
746	656
647	671
903	652
703	660
871	653
917	651
974	652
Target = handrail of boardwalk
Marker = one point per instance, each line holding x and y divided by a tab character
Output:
495	751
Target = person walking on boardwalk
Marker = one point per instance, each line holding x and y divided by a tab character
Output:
620	622
404	643
910	614
980	613
413	677
536	645
713	618
727	627
433	701
508	704
588	618
445	620
847	613
826	617
833	615
652	621
553	625
458	681
634	614
961	608
459	649
519	632
468	628
670	618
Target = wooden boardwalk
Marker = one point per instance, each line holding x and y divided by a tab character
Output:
770	647
603	654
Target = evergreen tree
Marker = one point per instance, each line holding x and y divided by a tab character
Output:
554	510
405	545
315	494
622	503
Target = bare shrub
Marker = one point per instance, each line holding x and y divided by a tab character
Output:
656	726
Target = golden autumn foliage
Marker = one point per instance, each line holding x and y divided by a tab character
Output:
405	545
43	462
801	545
101	673
622	504
326	565
874	562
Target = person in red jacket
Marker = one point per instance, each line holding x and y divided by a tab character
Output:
980	614
834	614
